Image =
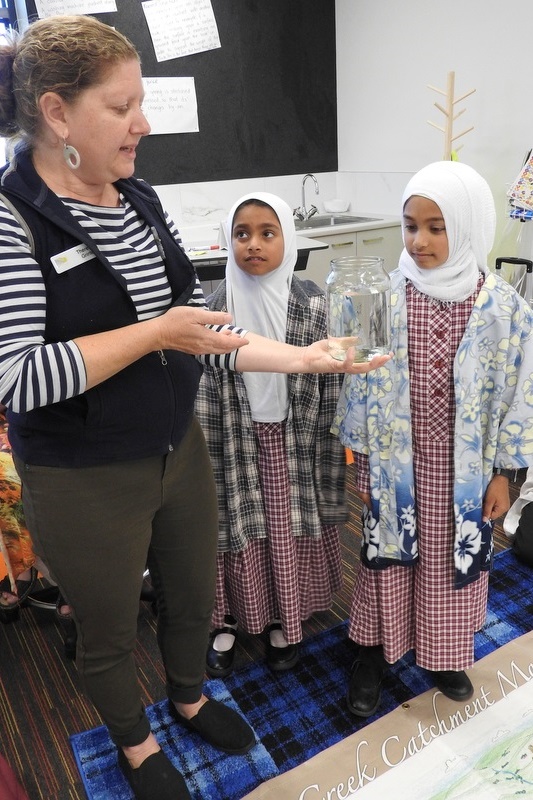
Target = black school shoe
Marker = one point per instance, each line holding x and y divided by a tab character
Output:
364	689
155	779
280	658
219	726
219	663
455	685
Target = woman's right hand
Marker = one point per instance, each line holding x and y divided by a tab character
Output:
180	328
184	328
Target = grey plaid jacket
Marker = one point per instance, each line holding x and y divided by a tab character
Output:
316	458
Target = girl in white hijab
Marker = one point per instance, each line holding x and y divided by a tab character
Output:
427	431
467	209
260	303
279	471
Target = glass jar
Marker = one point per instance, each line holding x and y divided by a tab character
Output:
358	302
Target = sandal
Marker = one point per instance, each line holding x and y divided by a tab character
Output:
9	611
60	604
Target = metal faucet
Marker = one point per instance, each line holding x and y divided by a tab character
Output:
302	213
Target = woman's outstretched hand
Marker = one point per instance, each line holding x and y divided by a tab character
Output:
268	355
187	329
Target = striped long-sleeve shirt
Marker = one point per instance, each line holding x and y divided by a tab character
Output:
34	373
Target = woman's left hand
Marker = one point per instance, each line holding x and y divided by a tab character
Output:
269	355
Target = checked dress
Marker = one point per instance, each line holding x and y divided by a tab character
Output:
280	486
417	606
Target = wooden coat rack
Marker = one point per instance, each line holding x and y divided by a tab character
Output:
450	117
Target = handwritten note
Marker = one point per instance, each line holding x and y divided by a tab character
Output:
181	27
170	105
50	8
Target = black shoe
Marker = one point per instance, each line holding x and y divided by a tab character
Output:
155	779
455	685
219	663
220	726
280	658
366	676
45	598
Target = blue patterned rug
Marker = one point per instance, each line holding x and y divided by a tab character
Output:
299	713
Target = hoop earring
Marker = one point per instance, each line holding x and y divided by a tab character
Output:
71	156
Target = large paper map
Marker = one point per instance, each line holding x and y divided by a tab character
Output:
490	757
431	748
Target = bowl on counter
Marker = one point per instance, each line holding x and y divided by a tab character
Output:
336	206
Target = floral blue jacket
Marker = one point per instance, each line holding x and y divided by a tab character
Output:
493	379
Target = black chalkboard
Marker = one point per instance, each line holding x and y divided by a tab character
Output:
266	98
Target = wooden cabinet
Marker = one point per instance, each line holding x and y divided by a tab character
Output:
385	242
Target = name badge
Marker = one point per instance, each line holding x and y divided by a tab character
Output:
69	259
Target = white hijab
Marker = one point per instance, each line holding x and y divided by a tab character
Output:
260	304
467	205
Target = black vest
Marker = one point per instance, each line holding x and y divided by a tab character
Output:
146	408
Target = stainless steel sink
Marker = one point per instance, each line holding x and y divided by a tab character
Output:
325	220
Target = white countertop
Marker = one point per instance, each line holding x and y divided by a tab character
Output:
204	255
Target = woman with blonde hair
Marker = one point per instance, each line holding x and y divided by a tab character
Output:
103	322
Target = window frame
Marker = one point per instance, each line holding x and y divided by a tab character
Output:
8	15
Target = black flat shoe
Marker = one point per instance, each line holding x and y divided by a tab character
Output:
219	663
455	685
280	658
155	779
366	676
220	726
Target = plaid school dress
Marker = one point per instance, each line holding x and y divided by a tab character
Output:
428	428
406	607
281	486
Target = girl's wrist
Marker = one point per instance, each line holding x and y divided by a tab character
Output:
510	474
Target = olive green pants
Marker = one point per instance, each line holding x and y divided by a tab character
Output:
97	528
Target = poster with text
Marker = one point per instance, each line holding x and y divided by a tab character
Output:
170	105
50	8
181	27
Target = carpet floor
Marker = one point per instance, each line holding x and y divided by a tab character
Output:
298	714
41	703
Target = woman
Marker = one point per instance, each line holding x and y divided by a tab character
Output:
103	318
